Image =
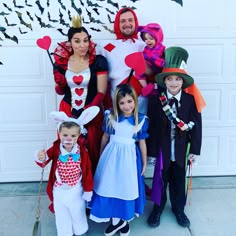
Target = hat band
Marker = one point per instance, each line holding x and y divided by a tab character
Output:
169	70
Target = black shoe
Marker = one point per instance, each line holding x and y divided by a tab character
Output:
182	219
154	218
112	229
125	230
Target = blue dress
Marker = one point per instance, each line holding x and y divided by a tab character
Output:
118	185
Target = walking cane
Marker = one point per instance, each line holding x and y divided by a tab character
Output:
37	224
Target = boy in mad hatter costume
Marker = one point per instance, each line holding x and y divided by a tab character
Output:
178	135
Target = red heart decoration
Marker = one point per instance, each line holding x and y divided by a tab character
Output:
78	79
78	102
79	91
136	62
44	42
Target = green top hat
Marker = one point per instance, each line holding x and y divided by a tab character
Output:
176	64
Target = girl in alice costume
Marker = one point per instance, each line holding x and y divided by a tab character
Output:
123	155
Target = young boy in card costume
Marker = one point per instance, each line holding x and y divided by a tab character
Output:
178	124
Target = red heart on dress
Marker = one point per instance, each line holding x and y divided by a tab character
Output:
79	91
78	102
44	42
136	62
78	79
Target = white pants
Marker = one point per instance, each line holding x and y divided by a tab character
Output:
70	211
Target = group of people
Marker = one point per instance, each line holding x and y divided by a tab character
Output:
111	117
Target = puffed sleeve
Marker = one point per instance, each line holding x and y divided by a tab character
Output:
143	134
107	126
101	64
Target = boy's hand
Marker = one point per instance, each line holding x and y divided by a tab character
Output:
87	196
41	155
192	157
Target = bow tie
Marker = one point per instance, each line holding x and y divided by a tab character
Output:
64	158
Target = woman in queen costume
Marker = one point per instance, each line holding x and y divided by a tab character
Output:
119	193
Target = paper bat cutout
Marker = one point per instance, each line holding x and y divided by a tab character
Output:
78	10
42	24
28	25
13	38
60	30
62	6
114	4
4	13
92	28
62	21
22	32
112	12
106	28
81	2
91	4
49	18
39	6
6	20
8	8
96	10
28	5
109	18
28	14
16	6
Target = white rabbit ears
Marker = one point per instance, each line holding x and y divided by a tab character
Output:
86	116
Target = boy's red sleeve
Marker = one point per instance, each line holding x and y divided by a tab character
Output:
87	177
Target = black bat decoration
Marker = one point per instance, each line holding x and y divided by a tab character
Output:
4	13
8	8
91	4
133	8
28	14
22	32
106	28
179	1
112	12
60	30
96	10
96	21
42	24
39	6
1	39
2	29
98	30
69	15
109	18
88	13
28	5
28	25
81	2
62	21
134	0
78	10
13	38
49	18
62	6
1	63
48	3
16	6
6	20
114	4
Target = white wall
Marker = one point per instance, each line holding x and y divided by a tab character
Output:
205	28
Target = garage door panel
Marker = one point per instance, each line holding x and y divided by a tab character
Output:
17	156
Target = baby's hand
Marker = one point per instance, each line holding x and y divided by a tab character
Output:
41	155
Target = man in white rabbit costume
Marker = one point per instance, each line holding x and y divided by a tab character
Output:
70	182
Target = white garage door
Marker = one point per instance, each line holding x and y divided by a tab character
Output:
205	28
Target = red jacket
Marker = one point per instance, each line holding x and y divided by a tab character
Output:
87	179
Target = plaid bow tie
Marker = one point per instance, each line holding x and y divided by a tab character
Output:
65	158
